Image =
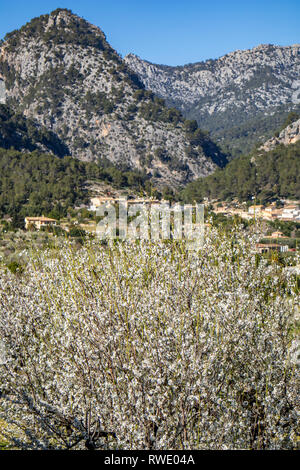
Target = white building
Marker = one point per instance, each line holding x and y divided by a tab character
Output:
255	209
291	213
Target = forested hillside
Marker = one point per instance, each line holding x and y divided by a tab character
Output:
22	133
264	175
35	183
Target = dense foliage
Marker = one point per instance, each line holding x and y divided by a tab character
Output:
238	137
264	175
35	183
26	134
150	347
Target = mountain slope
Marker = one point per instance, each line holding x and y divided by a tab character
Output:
234	95
272	171
35	183
26	134
60	70
288	135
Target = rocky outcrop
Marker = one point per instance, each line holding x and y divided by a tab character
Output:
60	70
232	92
289	135
267	75
2	91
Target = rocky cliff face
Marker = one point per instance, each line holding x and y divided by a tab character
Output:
229	92
2	92
289	135
60	70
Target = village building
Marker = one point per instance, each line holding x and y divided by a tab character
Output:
266	247
96	202
291	212
39	222
271	213
255	209
277	235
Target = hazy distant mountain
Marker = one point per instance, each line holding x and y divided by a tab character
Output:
60	71
241	97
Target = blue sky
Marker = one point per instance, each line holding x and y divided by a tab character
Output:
174	32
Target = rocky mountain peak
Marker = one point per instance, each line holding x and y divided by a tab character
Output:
236	95
61	26
60	71
66	20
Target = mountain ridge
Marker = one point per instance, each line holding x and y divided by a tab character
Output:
269	173
229	92
260	46
59	70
